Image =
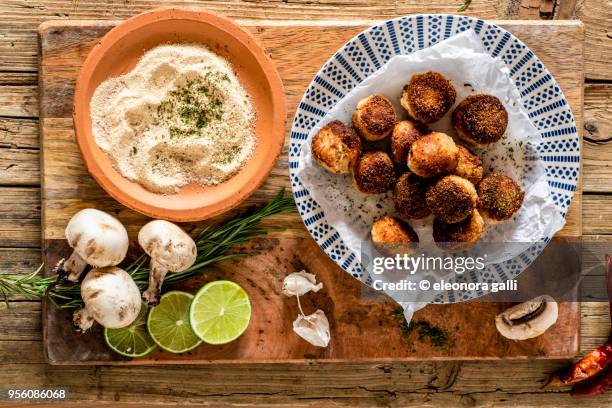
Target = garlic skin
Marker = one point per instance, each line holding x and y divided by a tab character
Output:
313	328
300	283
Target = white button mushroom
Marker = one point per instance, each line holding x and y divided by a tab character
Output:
111	298
528	319
97	238
171	250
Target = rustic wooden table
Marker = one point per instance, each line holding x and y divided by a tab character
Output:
426	383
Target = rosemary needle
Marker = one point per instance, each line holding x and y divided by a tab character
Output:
465	5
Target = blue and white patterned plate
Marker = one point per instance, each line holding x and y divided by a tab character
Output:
541	97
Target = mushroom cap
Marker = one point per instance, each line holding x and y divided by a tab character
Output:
528	319
111	296
168	245
99	238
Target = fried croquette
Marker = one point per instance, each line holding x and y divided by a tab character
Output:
409	197
405	133
428	96
391	235
469	166
374	173
499	197
451	199
480	119
433	155
374	117
458	236
336	147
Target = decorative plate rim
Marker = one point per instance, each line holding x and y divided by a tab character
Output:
526	70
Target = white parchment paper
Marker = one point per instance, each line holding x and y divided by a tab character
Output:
463	60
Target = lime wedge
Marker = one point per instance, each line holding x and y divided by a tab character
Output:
133	340
220	312
168	323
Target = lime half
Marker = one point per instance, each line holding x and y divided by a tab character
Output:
133	340
168	323
220	312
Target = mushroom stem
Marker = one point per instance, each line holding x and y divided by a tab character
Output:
83	319
157	273
74	267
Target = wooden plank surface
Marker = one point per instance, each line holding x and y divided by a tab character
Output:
24	16
67	188
400	384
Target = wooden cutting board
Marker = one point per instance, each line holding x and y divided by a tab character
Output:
363	324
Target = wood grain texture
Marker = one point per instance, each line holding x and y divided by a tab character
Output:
486	384
598	113
597	14
24	16
390	384
66	187
600	209
18	133
18	100
597	144
19	167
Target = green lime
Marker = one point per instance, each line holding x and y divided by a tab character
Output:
220	312
133	340
168	323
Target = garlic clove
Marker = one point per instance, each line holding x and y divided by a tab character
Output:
313	328
300	283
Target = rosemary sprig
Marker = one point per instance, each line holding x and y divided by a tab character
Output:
214	245
29	286
465	5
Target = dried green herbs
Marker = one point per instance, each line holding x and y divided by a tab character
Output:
426	332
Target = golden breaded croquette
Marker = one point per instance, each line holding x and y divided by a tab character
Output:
409	197
480	119
428	96
451	199
499	197
405	133
374	173
469	166
391	235
336	147
458	236
433	155
374	117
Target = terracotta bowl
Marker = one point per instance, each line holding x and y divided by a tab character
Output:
119	51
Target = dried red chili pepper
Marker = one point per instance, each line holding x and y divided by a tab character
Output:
589	366
596	386
593	364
